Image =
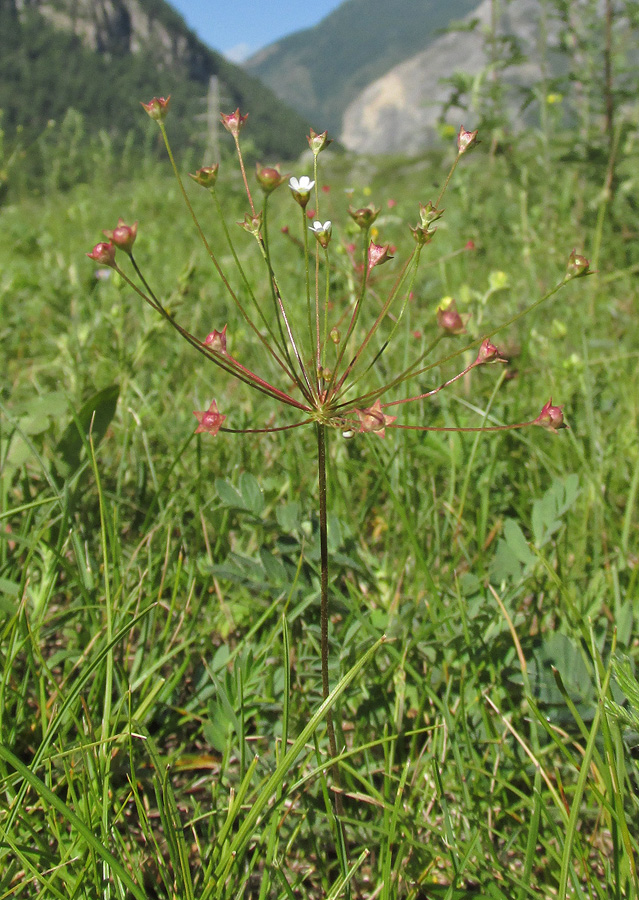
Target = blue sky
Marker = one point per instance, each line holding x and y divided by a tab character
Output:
240	27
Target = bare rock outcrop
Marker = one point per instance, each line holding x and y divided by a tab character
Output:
399	112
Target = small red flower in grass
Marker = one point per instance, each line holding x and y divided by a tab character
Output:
374	419
206	176
465	140
103	253
234	121
269	177
216	340
488	353
318	142
450	319
551	417
578	265
123	235
210	420
378	254
158	108
365	216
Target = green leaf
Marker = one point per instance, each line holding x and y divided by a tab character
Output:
95	415
558	652
513	554
9	591
228	494
251	493
274	567
248	497
517	543
624	620
548	511
217	728
288	516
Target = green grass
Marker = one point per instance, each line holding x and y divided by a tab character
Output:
162	732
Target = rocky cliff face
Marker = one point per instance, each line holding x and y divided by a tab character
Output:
118	27
399	112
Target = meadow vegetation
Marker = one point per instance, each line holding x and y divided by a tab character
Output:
159	590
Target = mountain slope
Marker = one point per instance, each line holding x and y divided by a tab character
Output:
321	70
102	57
398	112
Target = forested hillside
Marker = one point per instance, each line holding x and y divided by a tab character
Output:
102	69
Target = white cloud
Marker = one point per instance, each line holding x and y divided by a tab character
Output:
238	53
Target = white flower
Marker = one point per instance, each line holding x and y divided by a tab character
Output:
318	228
303	185
322	232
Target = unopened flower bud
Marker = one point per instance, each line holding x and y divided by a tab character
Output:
429	214
301	188
322	232
103	253
206	176
158	108
216	340
364	216
252	224
465	140
377	255
488	353
450	319
209	421
123	236
335	335
577	265
233	122
318	142
269	177
423	235
551	417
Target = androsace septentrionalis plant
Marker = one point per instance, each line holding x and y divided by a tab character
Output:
325	354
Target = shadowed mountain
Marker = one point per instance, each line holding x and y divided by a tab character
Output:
103	58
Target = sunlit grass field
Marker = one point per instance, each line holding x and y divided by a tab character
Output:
159	627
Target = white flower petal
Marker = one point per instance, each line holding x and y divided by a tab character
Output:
302	185
318	228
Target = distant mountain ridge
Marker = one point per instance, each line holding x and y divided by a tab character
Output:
384	75
102	57
400	111
321	70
